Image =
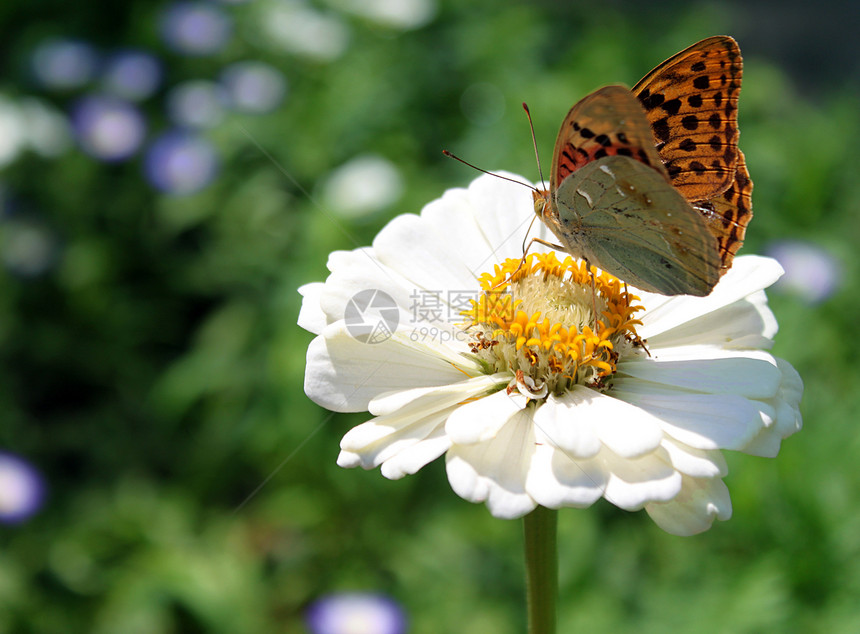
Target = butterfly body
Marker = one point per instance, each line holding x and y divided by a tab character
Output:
648	184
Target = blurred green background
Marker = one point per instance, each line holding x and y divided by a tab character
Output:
152	367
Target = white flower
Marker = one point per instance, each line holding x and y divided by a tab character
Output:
531	404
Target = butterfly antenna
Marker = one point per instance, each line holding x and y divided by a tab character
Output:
534	140
475	167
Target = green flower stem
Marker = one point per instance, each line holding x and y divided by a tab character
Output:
541	569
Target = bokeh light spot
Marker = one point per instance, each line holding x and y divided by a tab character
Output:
108	128
356	613
22	489
301	30
253	87
811	272
64	64
363	185
195	28
196	104
132	75
181	163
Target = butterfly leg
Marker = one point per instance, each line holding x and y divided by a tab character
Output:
637	341
593	293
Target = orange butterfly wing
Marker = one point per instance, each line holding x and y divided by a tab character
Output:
607	122
728	214
691	101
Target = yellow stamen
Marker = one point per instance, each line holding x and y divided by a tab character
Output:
539	311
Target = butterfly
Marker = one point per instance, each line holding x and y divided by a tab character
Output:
648	184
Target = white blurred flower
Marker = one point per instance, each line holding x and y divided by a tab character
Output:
12	135
363	185
31	124
27	247
396	14
293	26
46	129
196	104
253	87
355	613
530	406
811	272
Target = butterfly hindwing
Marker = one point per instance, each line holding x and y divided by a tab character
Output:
728	214
622	216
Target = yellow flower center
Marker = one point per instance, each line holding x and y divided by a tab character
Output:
552	324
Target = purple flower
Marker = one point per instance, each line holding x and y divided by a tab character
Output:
811	272
195	28
181	163
356	613
64	64
132	75
22	489
108	128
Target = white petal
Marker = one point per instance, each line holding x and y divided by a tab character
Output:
311	316
375	442
560	422
633	483
766	443
411	417
749	274
427	317
412	458
348	459
412	247
694	509
747	323
343	374
780	415
495	471
504	211
695	462
627	430
704	421
787	402
556	480
434	398
360	270
457	209
481	420
753	374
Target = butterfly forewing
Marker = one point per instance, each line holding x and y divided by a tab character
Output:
622	216
608	122
691	103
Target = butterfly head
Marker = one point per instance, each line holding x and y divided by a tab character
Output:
543	208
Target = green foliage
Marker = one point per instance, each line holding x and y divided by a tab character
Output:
154	371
